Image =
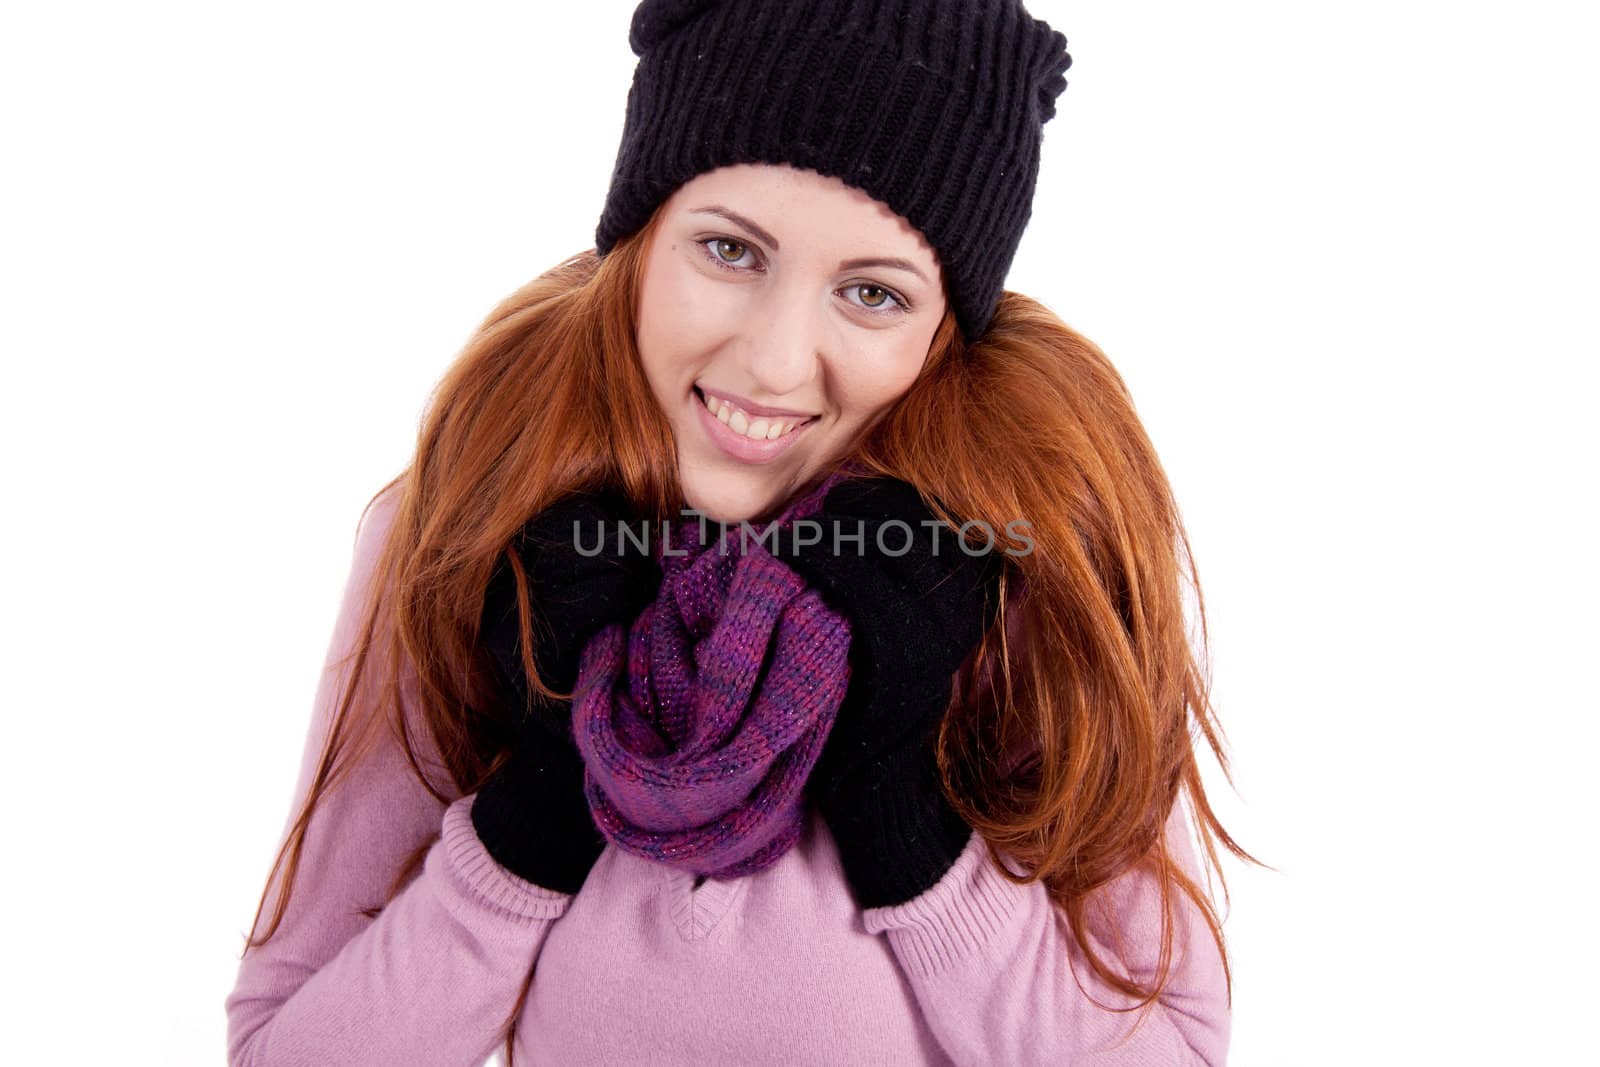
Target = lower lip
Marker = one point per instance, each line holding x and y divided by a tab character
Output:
738	445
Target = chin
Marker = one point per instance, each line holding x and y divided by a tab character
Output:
730	500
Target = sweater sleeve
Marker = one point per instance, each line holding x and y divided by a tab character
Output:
1000	978
435	975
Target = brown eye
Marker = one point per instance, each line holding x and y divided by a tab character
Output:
724	244
877	298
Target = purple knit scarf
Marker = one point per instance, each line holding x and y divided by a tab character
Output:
699	725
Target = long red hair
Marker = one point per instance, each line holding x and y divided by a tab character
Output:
1073	727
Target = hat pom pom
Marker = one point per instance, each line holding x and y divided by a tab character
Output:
656	20
1053	64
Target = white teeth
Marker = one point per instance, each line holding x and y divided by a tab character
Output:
762	429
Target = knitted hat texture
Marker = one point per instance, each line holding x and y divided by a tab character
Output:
935	108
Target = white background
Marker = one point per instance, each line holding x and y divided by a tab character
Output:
1344	255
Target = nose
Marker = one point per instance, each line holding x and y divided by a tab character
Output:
782	351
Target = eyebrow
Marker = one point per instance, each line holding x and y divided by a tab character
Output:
849	264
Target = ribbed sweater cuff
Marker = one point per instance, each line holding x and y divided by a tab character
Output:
479	877
966	911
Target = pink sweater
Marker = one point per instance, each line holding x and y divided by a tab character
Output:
641	966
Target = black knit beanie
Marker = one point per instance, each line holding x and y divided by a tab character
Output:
933	107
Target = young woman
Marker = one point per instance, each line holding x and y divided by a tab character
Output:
894	771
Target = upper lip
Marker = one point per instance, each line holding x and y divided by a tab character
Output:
754	408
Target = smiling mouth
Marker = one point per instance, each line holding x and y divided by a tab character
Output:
753	427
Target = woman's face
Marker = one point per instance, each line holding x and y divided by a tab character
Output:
781	311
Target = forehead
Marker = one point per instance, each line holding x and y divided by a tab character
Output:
803	208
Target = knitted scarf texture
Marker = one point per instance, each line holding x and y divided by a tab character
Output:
699	723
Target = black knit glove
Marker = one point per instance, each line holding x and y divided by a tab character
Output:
532	816
915	616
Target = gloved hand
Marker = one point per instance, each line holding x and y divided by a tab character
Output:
532	816
915	615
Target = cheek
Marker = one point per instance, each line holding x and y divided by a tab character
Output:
676	318
876	376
